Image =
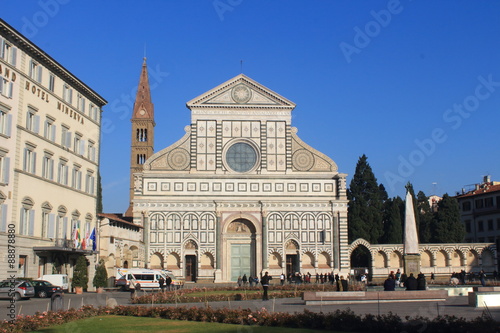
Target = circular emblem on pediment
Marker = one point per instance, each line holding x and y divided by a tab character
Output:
178	159
241	94
303	160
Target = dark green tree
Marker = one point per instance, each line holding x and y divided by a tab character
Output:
101	276
80	273
393	221
365	211
425	215
447	227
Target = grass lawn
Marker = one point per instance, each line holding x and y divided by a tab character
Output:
124	324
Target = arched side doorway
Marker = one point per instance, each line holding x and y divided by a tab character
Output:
241	248
292	257
190	261
361	259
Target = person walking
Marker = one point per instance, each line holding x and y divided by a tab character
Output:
264	280
168	282
240	281
161	282
482	278
244	280
282	278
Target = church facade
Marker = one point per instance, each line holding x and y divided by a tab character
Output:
239	193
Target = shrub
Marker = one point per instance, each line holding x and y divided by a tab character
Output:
101	276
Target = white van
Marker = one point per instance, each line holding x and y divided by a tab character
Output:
60	280
127	278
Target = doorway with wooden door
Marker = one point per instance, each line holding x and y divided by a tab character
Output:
190	269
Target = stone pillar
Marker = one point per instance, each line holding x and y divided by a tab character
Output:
218	246
264	240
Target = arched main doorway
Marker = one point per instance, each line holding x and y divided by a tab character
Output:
241	246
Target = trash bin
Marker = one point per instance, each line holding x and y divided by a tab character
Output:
56	302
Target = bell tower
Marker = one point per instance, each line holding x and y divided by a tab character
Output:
143	124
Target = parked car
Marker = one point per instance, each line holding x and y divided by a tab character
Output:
45	288
16	289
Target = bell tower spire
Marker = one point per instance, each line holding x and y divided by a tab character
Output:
143	123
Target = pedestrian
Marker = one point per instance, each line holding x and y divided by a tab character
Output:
432	278
264	280
250	281
421	283
343	284
239	281
482	278
390	283
161	282
282	278
168	282
411	283
244	280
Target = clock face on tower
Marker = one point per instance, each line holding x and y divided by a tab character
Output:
241	157
142	112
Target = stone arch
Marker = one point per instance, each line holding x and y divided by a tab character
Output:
156	261
324	260
357	242
396	259
457	258
487	258
245	221
472	259
292	245
381	260
360	254
173	261
426	259
308	260
207	261
442	258
275	261
134	250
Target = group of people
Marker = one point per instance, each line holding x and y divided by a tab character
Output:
460	278
165	283
401	280
244	280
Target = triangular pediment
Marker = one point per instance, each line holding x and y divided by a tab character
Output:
241	91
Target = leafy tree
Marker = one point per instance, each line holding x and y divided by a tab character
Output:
393	221
447	227
425	215
80	273
101	276
365	211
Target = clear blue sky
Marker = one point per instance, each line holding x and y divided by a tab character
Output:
414	85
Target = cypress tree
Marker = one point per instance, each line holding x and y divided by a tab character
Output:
425	218
393	221
447	227
365	211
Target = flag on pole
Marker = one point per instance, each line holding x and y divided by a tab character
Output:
76	236
92	238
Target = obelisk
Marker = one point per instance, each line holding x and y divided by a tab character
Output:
411	253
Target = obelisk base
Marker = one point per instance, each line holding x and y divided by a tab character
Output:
412	264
